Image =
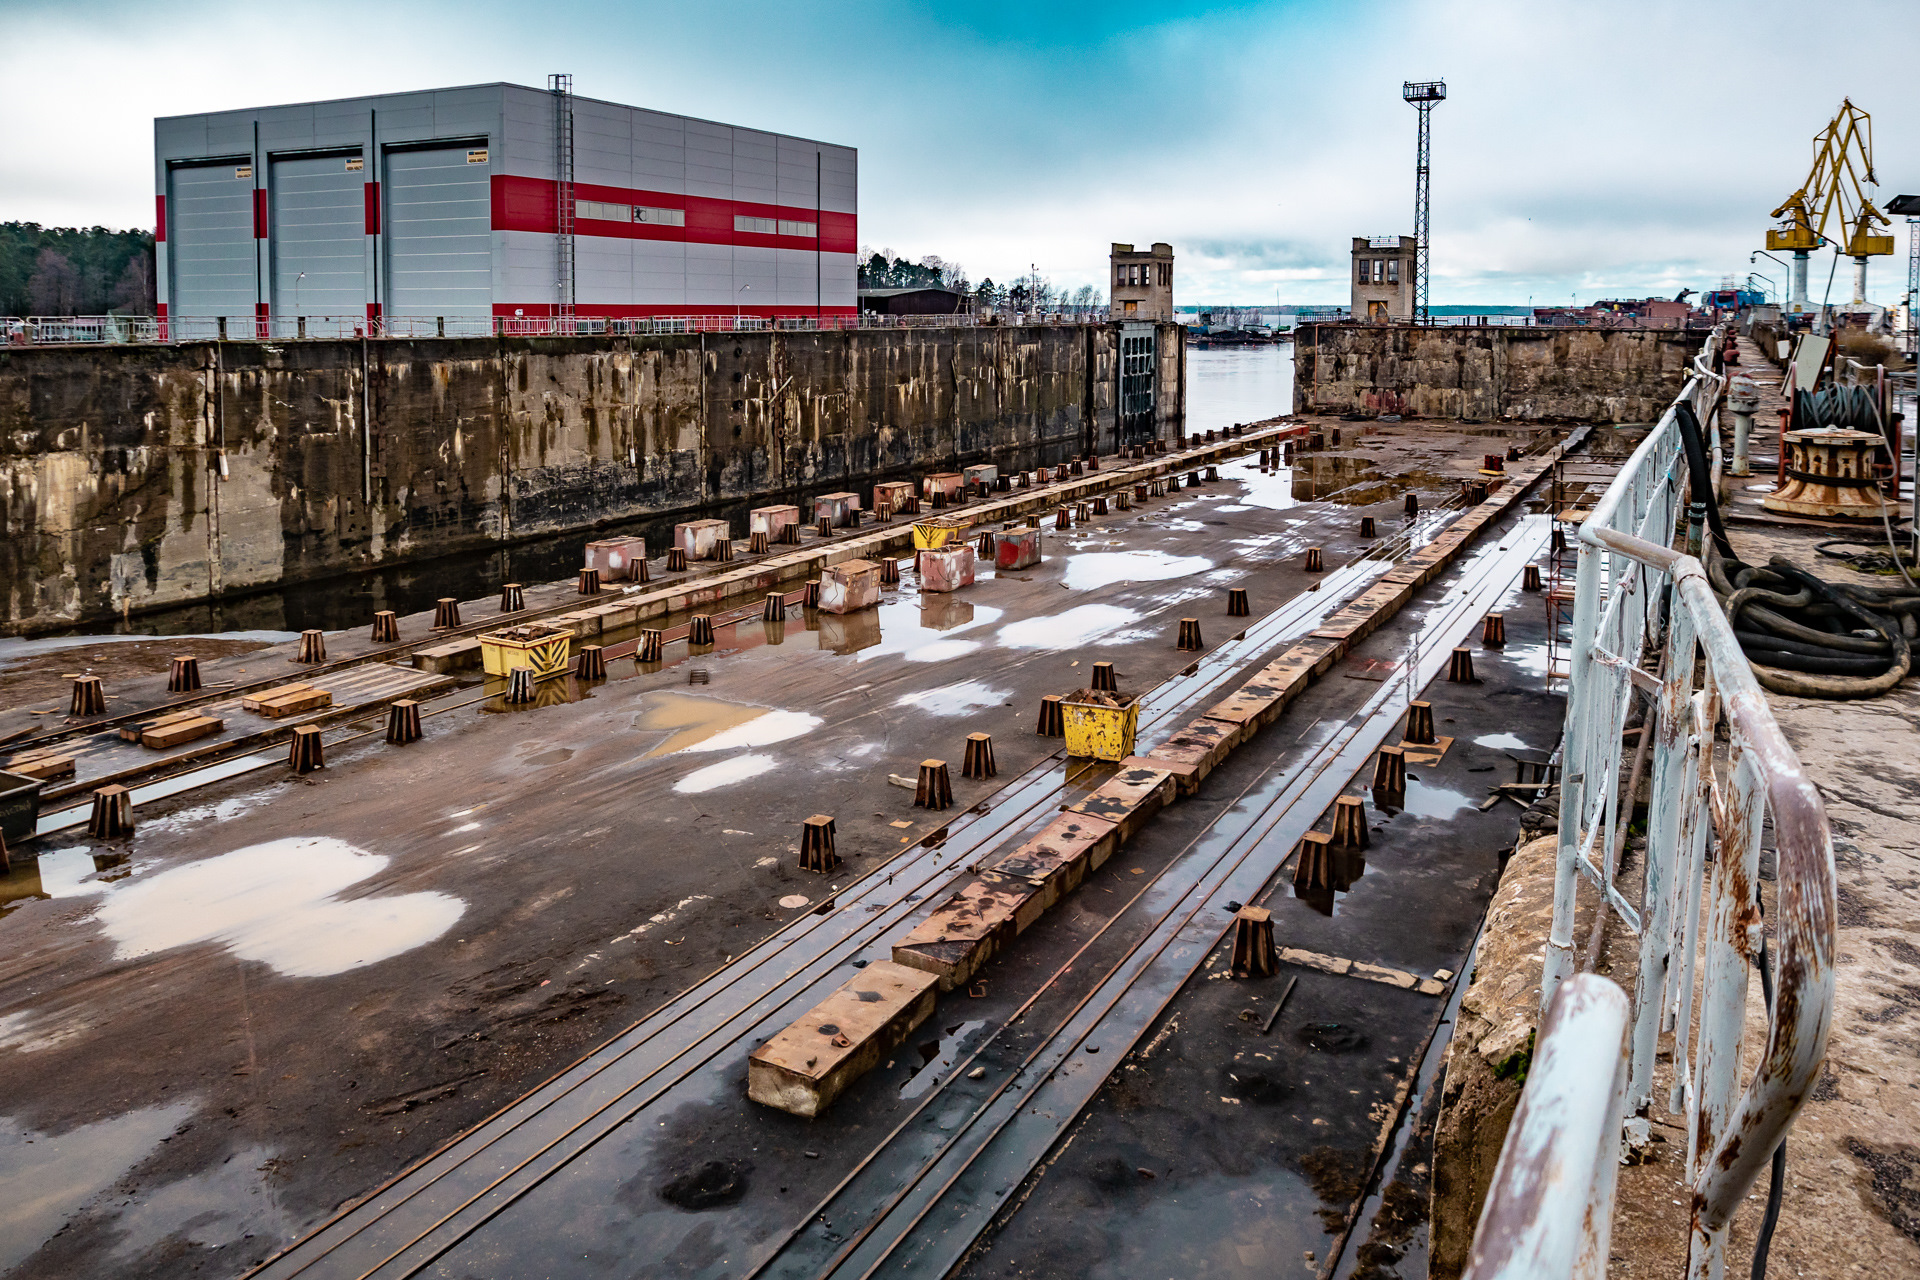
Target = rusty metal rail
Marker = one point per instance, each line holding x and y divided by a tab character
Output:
1695	955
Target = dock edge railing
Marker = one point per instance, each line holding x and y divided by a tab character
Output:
1630	586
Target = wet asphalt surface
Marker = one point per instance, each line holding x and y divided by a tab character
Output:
209	1052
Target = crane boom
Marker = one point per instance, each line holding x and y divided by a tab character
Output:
1835	189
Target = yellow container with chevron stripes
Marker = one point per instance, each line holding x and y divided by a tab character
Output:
930	535
533	645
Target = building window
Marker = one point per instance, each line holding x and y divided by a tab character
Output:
807	229
602	212
756	226
1393	271
1379	270
660	217
1364	272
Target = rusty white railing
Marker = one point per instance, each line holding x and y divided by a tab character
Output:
1548	1210
1693	975
51	330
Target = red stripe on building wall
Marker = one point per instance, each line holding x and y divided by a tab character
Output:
160	219
259	213
373	311
372	190
261	320
527	204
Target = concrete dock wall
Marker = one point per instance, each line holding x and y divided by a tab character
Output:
140	477
1490	373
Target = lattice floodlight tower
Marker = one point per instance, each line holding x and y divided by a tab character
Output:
1422	95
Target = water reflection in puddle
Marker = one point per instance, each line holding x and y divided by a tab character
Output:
715	776
955	699
277	903
60	873
710	724
1093	569
1424	800
937	1058
1080	625
923	630
52	1177
1500	740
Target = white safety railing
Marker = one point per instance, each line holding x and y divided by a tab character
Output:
1693	975
1549	1208
50	330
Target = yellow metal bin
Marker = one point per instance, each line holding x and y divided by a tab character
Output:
930	535
1100	725
533	645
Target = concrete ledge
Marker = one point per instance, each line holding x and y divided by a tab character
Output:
1128	799
445	659
967	930
1193	751
805	1067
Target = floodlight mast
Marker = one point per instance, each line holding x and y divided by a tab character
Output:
1422	95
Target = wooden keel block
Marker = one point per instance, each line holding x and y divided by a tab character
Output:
1082	512
589	582
889	572
513	597
446	613
1237	604
1412	505
803	1068
1193	479
1189	641
1104	678
520	686
592	663
677	558
1316	440
1053	719
1139	493
386	627
1254	955
1367	527
1123	501
1093	462
184	677
1077	469
1350	823
651	646
1033	522
816	845
758	543
112	816
1493	631
1513	453
1460	669
984	549
812	598
700	629
978	761
824	527
775	609
403	722
1063	519
1286	453
1419	729
935	790
305	752
1100	506
723	549
1314	563
1213	473
1390	770
313	647
1530	578
640	571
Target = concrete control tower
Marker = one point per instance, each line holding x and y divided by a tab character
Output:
1142	283
1383	278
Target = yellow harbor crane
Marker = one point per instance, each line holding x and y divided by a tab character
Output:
1842	170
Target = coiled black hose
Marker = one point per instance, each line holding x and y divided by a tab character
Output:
1803	636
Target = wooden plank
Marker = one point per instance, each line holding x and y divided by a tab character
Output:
251	701
177	731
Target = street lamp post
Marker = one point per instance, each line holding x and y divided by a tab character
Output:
736	305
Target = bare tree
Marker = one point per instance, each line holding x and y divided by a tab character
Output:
54	287
134	293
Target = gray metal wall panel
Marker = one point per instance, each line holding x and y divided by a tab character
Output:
317	230
438	232
210	231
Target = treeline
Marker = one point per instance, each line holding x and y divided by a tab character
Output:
74	271
882	269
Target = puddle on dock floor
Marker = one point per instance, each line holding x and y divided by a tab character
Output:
1497	740
924	629
1078	626
955	699
727	772
1090	570
1356	482
277	903
710	724
54	1176
60	873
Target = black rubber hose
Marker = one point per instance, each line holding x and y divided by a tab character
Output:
1777	1184
1821	664
1761	640
1700	475
1809	685
1767	620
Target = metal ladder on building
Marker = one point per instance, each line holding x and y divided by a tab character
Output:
560	85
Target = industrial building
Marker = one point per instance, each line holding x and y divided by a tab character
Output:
1142	287
493	206
1384	277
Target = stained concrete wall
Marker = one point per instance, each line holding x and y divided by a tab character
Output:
1490	373
141	477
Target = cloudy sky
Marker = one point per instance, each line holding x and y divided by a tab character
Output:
1602	149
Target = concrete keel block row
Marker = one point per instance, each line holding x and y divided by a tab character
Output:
803	1068
983	918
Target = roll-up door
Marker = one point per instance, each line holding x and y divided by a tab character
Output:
439	232
318	236
210	245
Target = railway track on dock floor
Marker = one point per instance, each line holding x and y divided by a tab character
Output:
443	1212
